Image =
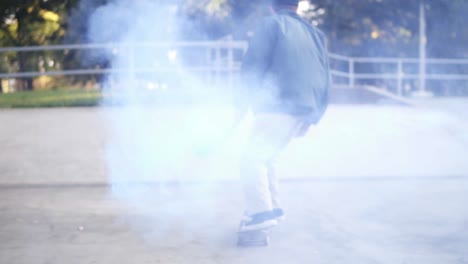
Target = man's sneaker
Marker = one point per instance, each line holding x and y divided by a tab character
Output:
259	221
278	214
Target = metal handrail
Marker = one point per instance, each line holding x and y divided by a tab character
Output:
221	44
231	66
109	71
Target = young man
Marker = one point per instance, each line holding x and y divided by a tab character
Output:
286	76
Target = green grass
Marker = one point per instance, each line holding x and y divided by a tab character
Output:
52	98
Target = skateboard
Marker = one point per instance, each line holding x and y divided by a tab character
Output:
255	238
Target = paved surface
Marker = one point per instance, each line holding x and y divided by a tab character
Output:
55	206
52	145
327	222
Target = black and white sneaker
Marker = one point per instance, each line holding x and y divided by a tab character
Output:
259	221
278	214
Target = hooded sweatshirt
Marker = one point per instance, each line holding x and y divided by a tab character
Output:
286	68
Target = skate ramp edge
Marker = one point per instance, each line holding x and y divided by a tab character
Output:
366	94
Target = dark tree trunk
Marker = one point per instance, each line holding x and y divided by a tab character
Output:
24	59
29	84
25	65
25	84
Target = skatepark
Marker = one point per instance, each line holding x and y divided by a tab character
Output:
370	184
119	141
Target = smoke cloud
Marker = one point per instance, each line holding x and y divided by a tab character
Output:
169	114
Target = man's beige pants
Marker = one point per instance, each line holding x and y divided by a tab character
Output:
271	133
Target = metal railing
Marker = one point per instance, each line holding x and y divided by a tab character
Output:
222	59
398	70
229	46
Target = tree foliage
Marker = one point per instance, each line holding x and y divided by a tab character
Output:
31	23
391	27
381	27
353	27
357	27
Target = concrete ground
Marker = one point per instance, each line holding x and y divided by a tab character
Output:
56	205
327	222
52	145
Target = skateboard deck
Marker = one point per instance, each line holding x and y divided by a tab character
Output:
254	238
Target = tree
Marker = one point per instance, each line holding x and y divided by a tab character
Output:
353	27
30	23
447	36
204	19
390	27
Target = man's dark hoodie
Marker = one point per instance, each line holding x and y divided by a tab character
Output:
286	67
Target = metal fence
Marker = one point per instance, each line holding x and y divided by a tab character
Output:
213	60
220	60
402	75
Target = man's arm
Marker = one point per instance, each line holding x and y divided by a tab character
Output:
258	55
256	61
